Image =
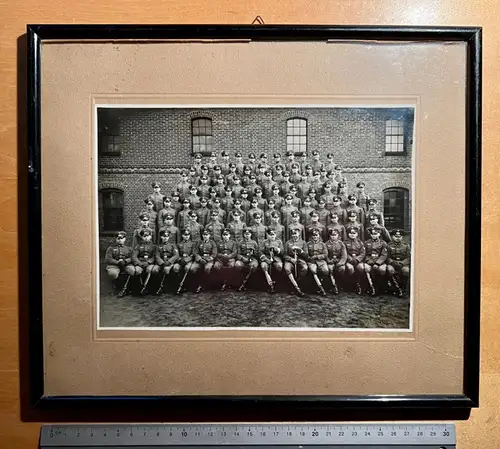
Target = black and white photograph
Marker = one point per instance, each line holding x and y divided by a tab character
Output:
253	216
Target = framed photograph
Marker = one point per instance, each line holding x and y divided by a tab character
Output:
252	222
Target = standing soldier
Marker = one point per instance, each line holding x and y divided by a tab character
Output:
305	212
212	196
337	257
276	197
355	255
315	224
238	161
144	224
197	163
212	162
215	227
352	221
220	188
328	195
193	197
194	227
216	174
153	216
278	171
295	224
187	263
183	185
316	164
261	202
251	163
227	202
166	257
143	258
245	202
183	214
173	231
286	184
363	198
270	256
248	251
119	261
290	156
312	196
205	254
335	224
203	212
343	193
317	183
193	178
374	224
216	206
245	178
227	249
276	162
232	174
329	164
270	208
295	200
286	210
156	196
317	259
263	160
339	177
237	227
275	225
261	170
252	186
167	210
258	229
267	184
303	187
176	204
237	187
376	256
360	213
252	211
237	206
338	209
323	212
398	262
295	176
309	174
372	210
295	256
224	165
204	188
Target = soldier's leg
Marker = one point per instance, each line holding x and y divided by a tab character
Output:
289	268
405	274
302	267
149	271
278	264
359	269
129	272
391	273
113	272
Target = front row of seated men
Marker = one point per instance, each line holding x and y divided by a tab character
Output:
375	263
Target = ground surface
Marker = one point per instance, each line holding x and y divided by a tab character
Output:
255	309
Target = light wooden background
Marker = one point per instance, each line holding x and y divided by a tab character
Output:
482	430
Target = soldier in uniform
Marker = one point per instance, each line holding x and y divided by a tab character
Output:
173	231
183	185
329	164
245	202
305	212
193	197
166	257
295	224
176	204
278	171
286	184
360	213
156	196
352	220
303	187
216	206
309	174
374	224
237	206
205	254
316	182
166	210
317	259
220	188
232	174
215	227
338	209
328	195
251	163
258	229
270	257
276	162
245	180
376	256
295	201
119	261
194	227
316	164
203	212
143	259
238	161
252	211
290	156
237	226
152	216
342	191
355	255
315	224
204	187
261	202
323	212
187	263
275	225
312	196
339	177
267	184
337	257
252	186
227	202
287	209
144	224
372	210
270	208
295	256
193	177
183	214
197	163
398	261
212	162
224	165
238	188
362	196
227	250
335	224
246	260
295	176
276	197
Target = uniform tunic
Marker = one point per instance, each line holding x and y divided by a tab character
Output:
204	190
286	214
323	215
215	228
136	238
278	201
163	213
183	189
305	215
226	253
289	256
376	252
250	215
144	253
174	236
259	233
278	229
243	215
166	254
319	226
157	199
399	253
337	253
277	248
355	251
195	229
318	254
248	251
292	226
206	251
340	228
303	188
236	229
203	215
186	251
114	254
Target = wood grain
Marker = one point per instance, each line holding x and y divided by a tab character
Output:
483	428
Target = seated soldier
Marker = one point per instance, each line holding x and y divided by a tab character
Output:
317	259
227	250
398	262
295	256
119	261
362	196
375	258
166	257
205	254
143	259
246	260
337	257
156	196
270	257
355	255
187	263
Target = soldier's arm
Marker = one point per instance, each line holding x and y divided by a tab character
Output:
287	252
158	259
324	255
135	257
109	259
128	260
234	252
175	256
362	216
389	259
213	254
362	252
383	255
382	220
196	252
343	255
305	253
406	260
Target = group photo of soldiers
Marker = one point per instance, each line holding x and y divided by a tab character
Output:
272	223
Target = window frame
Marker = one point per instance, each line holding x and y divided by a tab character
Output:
406	207
404	152
102	192
305	151
206	152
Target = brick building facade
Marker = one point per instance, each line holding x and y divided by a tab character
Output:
139	145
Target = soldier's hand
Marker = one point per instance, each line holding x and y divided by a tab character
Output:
339	264
168	264
375	266
277	251
121	263
144	265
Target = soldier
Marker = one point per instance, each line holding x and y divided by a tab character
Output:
143	259
355	255
362	196
156	196
197	163
245	202
237	206
220	188
328	195
305	212
166	210
215	227
263	160
176	204
339	177
276	197
194	227
119	261
309	174
183	214
261	170
295	176
204	187
216	174
373	224
227	249
303	187
251	163
317	183
278	171
152	216
353	207
193	177
335	224
245	180
224	165
287	209
315	224
267	184
261	202
227	202
337	257
187	263
193	197
295	224
286	184
376	256
237	187
183	185
252	211
258	229
232	174
398	262
252	186
246	260
323	175
295	256
205	254
238	161
212	196
302	160
372	210
270	208
276	226
329	164
205	172
144	224
276	161
203	212
166	257
343	193
316	164
173	231
323	212
338	209
352	220
290	156
270	257
317	259
212	162
312	196
237	226
295	201
216	206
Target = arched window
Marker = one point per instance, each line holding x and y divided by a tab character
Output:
296	135
396	208
394	137
201	132
112	209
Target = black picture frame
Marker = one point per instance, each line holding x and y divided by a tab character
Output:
35	406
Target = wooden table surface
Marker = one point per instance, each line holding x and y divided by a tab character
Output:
482	430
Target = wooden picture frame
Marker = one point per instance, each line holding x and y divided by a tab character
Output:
38	404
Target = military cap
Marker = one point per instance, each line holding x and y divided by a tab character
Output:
352	213
187	201
251	156
373	217
258	189
226	232
338	167
169	217
316	173
293	188
276	155
214	213
288	197
217	168
192	170
261	166
323	169
232	165
155	184
342	184
312	190
186	232
360	184
321	200
352	197
334	214
247	168
193	187
275	214
374	230
329	156
204	167
244	191
315	231
236	178
236	212
270	200
313	212
167	199
149	201
252	176
205	232
295	214
121	234
352	228
177	194
257	215
247	231
144	217
276	187
333	231
164	232
271	231
197	156
295	165
192	213
397	232
213	154
267	173
224	154
203	200
237	201
217	200
228	187
337	198
295	231
254	200
372	201
302	174
238	154
263	156
279	167
145	232
307	199
184	173
289	153
315	153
